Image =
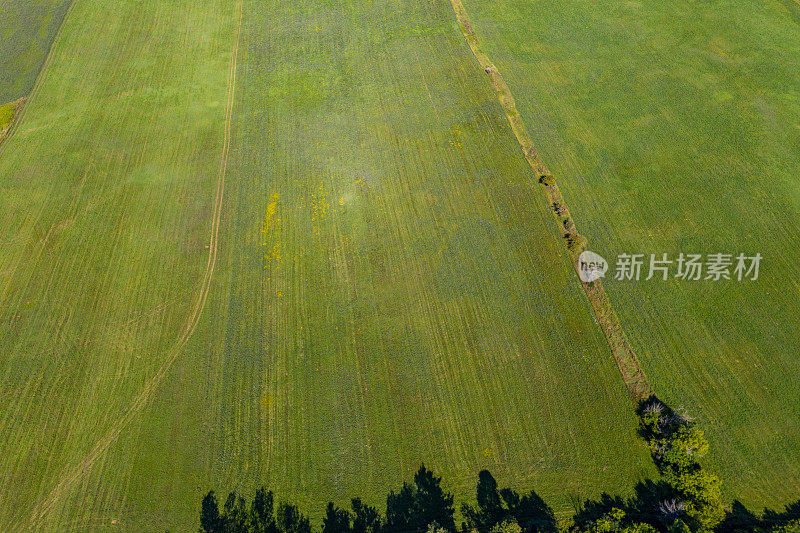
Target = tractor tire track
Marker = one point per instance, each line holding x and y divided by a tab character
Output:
73	475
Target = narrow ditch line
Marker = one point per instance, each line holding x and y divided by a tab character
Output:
627	362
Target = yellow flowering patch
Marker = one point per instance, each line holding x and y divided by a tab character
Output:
456	142
269	226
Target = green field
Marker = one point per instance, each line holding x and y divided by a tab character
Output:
673	127
381	283
296	243
26	30
106	189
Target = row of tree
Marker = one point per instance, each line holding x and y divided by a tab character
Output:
686	498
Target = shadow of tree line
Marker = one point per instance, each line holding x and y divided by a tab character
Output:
686	498
644	506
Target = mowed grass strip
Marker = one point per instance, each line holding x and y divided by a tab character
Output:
673	128
107	189
390	288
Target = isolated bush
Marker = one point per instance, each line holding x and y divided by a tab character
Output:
546	179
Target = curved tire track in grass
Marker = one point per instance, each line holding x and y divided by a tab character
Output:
71	476
627	362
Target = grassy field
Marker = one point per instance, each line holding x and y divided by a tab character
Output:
106	189
27	28
388	286
673	127
389	289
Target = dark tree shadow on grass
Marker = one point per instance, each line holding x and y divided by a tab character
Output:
592	510
739	519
